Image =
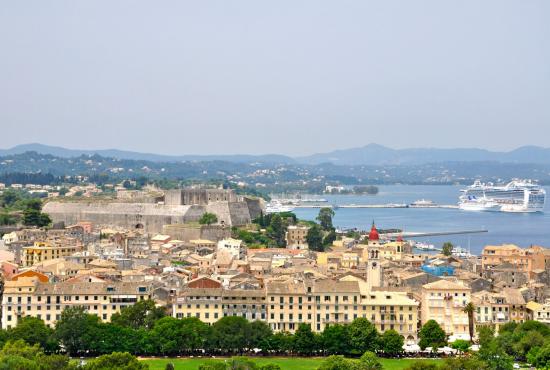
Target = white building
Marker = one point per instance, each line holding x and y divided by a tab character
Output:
234	247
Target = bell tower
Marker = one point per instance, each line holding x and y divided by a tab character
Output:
374	271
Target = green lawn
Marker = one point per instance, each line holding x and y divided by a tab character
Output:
284	363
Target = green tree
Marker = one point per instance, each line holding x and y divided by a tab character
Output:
337	363
229	334
32	330
77	330
329	238
314	238
392	342
115	361
335	339
257	333
370	361
495	357
277	230
423	365
304	341
447	249
325	218
363	336
33	217
486	334
464	363
431	335
208	219
470	309
142	314
461	345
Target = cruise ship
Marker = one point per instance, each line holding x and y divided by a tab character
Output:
516	196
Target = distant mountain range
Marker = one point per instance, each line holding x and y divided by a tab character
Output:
371	154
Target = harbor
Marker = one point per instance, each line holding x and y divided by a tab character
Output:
388	205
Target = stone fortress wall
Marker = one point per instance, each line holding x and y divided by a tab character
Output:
180	206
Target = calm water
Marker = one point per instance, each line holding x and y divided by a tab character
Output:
522	229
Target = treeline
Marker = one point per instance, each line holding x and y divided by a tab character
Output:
22	207
143	329
30	178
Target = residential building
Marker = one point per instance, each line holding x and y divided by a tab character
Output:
444	302
296	237
45	251
46	301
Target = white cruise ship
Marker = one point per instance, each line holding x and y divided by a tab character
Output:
516	196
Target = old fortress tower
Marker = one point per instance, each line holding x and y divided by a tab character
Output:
177	207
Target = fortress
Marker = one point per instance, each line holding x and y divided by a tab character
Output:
180	206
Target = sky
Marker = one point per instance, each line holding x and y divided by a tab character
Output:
290	77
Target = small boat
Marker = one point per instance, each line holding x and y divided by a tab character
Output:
426	247
461	252
423	203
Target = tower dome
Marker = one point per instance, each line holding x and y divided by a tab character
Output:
373	235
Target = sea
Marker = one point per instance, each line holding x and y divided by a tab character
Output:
522	229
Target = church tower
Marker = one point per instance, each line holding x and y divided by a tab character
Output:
374	271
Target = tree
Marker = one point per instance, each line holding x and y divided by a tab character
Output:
229	334
325	218
370	361
277	230
464	363
447	249
363	336
431	335
392	342
461	345
115	361
335	339
470	309
142	314
337	363
257	333
422	365
208	219
314	238
304	341
495	357
77	331
329	238
33	217
485	335
32	330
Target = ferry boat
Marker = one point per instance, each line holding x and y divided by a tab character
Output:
423	203
276	206
471	203
516	196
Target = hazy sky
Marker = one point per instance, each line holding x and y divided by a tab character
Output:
290	77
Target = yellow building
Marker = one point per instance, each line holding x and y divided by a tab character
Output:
444	302
325	302
211	304
45	251
46	301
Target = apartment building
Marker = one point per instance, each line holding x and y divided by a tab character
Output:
444	302
211	304
296	237
45	251
496	309
46	301
525	260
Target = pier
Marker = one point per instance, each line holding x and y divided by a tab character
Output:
390	205
412	234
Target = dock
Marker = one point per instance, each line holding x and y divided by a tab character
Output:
390	205
412	234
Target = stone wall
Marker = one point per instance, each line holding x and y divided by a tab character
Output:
151	217
187	232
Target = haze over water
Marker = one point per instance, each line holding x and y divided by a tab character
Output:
523	229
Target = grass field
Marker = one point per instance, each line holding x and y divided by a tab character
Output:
284	363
